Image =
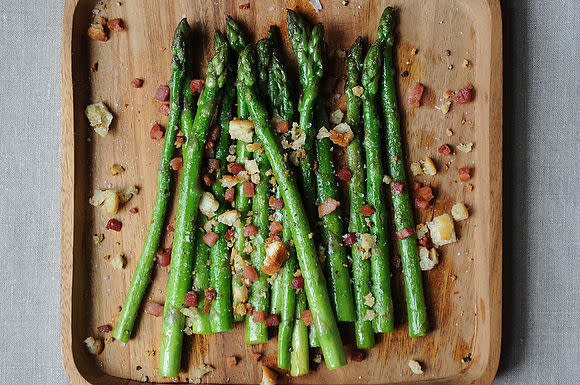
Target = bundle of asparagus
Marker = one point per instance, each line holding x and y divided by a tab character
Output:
252	254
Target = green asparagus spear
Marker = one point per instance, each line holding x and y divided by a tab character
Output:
312	337
308	47
403	214
279	85
283	296
381	289
299	357
257	332
200	323
316	291
221	316
142	274
179	280
238	41
242	204
276	82
276	293
337	269
361	267
264	53
288	300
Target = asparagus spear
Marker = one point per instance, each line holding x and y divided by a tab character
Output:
312	336
142	274
257	332
403	214
221	316
288	300
299	360
336	261
361	267
264	53
277	303
283	296
381	289
237	41
236	38
200	324
316	291
279	85
276	291
277	82
179	280
308	47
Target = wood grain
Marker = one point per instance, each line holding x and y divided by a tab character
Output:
465	313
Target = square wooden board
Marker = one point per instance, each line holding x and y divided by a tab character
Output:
465	313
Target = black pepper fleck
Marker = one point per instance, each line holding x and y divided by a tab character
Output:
405	74
138	367
466	359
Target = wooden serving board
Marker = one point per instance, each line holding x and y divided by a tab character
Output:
465	313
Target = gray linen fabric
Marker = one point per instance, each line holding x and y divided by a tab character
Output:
30	34
541	265
542	200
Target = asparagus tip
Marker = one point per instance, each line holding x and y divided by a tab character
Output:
386	28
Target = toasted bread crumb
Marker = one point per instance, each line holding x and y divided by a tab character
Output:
98	238
94	345
128	193
415	367
116	169
341	134
230	218
442	230
429	166
428	258
370	315
99	117
201	371
276	255
446	107
358	91
465	147
336	116
118	262
108	200
369	299
416	168
97	32
208	205
421	230
242	130
269	376
459	211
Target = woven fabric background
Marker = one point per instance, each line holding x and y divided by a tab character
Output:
541	333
